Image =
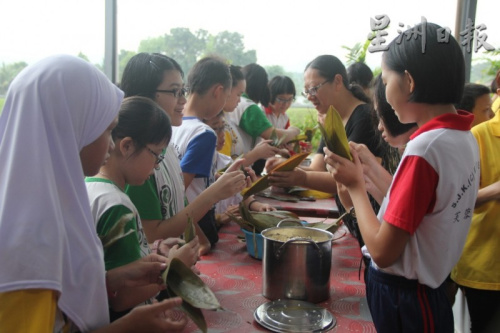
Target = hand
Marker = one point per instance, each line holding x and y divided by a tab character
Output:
273	162
296	177
251	175
167	244
228	184
188	253
264	150
154	318
344	171
366	157
141	272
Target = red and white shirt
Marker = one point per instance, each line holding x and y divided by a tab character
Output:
432	197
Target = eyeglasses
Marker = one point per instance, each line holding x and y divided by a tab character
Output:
176	92
314	90
159	158
285	101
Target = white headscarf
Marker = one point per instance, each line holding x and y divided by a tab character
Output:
47	237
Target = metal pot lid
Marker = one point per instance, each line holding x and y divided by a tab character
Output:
286	315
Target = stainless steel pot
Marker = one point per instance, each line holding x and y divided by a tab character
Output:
297	263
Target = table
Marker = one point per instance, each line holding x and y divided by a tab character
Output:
236	280
318	208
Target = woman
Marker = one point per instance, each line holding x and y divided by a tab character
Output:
58	117
325	81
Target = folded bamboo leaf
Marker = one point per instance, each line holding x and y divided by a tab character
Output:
189	232
334	134
263	182
117	231
195	314
259	221
187	285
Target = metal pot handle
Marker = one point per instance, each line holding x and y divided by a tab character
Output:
289	220
298	239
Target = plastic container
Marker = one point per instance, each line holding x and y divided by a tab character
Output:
252	240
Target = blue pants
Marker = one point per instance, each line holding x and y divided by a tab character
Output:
401	305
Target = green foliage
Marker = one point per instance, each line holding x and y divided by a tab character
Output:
493	61
187	47
8	73
305	118
275	70
2	102
357	53
230	45
181	44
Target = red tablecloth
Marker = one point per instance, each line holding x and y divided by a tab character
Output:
236	280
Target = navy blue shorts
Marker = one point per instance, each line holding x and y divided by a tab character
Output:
401	305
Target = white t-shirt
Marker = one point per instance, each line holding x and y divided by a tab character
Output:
195	143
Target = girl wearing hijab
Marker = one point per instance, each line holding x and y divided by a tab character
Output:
58	116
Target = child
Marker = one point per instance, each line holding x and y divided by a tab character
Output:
223	161
232	137
195	142
476	99
142	133
282	91
58	116
161	200
424	219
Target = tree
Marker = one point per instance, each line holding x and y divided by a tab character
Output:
274	70
181	44
8	73
230	46
357	53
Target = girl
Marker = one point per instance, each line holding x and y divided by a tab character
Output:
161	200
423	221
195	142
263	149
52	275
142	133
395	134
282	92
248	119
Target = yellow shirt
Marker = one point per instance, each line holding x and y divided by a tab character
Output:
30	310
479	265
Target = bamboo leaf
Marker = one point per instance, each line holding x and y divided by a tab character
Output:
187	285
189	232
334	134
263	182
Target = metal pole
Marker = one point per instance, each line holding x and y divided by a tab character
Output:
110	41
466	9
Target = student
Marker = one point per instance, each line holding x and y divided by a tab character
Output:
249	119
140	137
161	200
359	73
396	134
194	141
232	137
223	161
58	117
477	270
282	92
423	221
476	99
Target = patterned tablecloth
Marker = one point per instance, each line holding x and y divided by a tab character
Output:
236	280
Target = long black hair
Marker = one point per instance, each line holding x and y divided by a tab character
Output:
328	66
